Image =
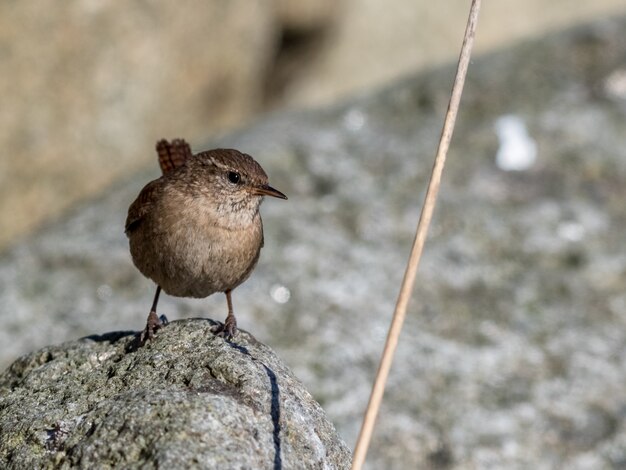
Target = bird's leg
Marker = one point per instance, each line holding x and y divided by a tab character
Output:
229	329
230	324
153	323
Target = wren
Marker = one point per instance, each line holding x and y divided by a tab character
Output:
197	229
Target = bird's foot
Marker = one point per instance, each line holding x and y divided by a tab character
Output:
227	330
153	324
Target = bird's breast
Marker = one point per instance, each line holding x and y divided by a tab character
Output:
210	258
193	249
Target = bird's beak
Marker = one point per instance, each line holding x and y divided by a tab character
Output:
267	190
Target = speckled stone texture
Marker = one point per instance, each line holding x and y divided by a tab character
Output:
187	400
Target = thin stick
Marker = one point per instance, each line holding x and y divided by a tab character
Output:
418	244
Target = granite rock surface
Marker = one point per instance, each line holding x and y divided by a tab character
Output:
188	399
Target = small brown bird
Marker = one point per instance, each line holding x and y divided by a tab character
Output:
197	230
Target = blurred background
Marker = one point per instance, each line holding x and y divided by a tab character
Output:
89	86
513	352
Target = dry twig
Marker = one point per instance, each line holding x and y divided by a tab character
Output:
418	244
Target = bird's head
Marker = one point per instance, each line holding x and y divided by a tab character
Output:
233	181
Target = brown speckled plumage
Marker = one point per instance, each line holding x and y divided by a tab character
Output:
197	229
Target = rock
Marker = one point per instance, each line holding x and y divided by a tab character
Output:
373	42
306	15
187	399
513	353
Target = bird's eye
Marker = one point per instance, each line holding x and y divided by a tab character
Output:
234	177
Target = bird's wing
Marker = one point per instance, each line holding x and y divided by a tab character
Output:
172	154
143	205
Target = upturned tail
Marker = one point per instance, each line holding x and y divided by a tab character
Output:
172	154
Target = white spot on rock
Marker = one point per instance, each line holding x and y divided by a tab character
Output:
280	294
354	120
104	292
571	231
517	151
615	84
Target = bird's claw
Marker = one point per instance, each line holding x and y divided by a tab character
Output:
227	330
153	324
